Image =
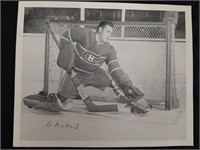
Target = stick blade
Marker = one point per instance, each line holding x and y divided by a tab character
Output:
91	107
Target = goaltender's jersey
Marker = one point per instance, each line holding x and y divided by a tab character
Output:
89	53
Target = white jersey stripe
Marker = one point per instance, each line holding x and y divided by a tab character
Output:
112	61
115	69
83	71
83	47
62	37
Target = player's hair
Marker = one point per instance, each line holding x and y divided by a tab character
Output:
104	23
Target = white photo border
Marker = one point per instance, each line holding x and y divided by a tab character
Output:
189	77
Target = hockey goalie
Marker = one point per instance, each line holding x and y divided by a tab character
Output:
84	51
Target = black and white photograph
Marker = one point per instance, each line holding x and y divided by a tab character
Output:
99	74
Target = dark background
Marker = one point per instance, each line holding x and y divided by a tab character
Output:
8	28
35	18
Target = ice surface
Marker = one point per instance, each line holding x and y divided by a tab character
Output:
122	125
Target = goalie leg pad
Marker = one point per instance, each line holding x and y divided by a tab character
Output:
67	88
51	103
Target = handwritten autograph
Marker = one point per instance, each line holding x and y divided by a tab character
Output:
57	124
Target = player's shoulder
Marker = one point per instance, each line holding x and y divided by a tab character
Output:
109	46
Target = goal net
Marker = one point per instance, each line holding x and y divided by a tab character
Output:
145	51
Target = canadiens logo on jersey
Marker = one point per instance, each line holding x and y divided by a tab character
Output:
93	58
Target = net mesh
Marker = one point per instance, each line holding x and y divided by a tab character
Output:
141	50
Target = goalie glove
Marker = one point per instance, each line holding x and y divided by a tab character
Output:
133	93
130	91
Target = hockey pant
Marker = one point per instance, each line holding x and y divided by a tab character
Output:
98	80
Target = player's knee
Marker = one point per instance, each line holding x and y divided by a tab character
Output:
106	82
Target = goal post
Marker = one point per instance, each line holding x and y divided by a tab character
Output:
145	52
46	63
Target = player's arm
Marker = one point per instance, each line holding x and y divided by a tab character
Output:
70	36
66	55
122	79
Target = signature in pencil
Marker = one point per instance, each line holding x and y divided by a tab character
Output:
66	124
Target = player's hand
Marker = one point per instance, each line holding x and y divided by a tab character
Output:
134	93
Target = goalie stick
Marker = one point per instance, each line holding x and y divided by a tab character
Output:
90	106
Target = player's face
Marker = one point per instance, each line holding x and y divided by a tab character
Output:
105	33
